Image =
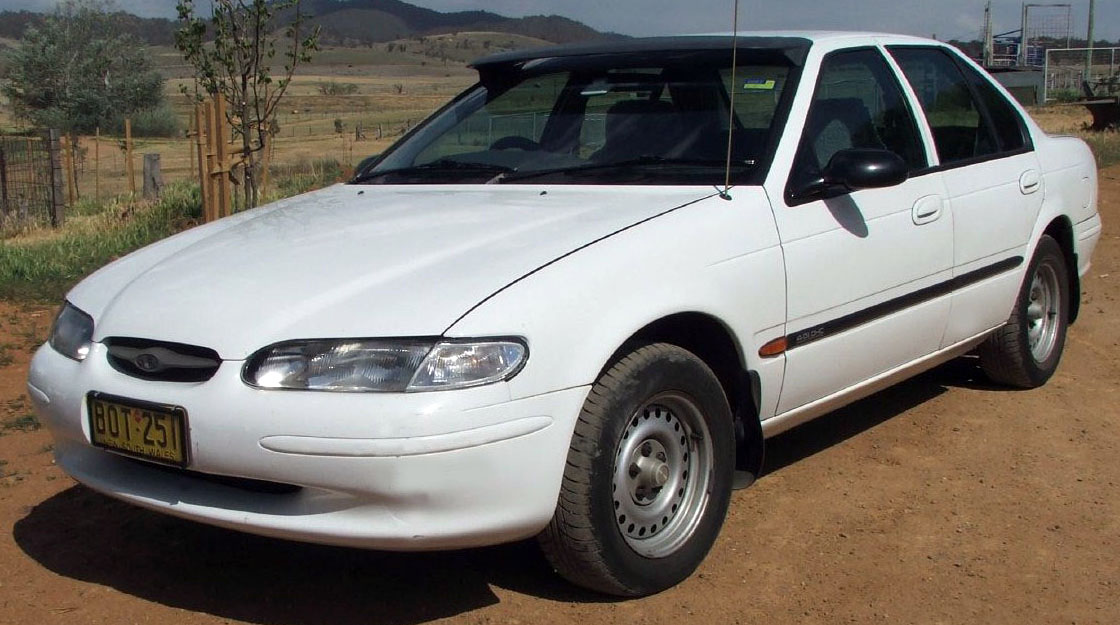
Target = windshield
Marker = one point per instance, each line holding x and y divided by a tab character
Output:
594	123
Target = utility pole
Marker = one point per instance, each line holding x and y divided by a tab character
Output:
1089	53
1023	38
987	55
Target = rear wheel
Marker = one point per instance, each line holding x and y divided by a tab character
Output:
648	478
1026	351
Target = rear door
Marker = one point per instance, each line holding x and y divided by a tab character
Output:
862	267
992	179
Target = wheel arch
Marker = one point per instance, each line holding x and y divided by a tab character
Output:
1061	230
716	344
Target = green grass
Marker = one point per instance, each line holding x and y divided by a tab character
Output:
304	175
6	354
25	423
44	269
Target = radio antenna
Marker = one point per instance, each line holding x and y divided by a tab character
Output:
725	193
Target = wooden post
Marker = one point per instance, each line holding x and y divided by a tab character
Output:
67	162
128	156
190	156
58	204
75	144
221	157
153	179
212	158
97	165
266	159
4	182
203	178
30	159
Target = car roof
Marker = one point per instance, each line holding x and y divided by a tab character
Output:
794	43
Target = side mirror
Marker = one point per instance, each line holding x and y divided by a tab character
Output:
866	169
854	169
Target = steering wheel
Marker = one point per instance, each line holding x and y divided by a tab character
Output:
515	142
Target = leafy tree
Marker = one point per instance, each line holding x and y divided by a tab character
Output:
76	71
232	54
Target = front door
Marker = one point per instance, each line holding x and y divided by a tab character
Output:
863	268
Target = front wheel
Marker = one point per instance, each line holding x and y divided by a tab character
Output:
648	477
1025	352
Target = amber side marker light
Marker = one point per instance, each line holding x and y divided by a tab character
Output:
777	347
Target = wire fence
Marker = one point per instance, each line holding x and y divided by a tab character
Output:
1069	71
25	180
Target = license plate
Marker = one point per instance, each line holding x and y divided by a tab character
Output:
155	432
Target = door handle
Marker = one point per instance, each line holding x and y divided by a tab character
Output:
927	209
1030	182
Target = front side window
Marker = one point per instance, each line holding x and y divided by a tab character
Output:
858	103
598	123
960	130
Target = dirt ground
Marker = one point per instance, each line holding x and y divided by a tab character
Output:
942	500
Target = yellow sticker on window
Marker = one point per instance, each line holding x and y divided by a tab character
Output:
759	84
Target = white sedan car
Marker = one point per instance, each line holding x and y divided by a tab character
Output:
575	302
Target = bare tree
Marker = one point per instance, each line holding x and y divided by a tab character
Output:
232	54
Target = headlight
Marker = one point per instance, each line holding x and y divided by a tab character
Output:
72	333
383	365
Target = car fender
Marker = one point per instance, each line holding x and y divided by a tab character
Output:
1070	199
716	257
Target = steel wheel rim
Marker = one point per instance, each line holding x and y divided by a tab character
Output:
662	471
1043	312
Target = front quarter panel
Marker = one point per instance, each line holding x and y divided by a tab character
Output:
716	257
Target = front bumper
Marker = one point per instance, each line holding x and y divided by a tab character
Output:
389	471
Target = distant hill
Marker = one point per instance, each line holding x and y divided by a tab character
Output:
361	22
372	21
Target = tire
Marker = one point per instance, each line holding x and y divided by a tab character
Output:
648	478
1025	352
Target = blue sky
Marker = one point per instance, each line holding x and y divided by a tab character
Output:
945	18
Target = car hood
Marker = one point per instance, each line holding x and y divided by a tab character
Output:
354	261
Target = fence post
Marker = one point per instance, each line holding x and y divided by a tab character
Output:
190	133
67	162
97	165
266	162
1045	77
153	179
212	157
4	182
74	144
30	159
58	206
203	179
221	158
128	155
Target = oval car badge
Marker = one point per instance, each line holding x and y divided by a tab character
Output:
147	362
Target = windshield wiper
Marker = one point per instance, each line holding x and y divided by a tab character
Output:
443	164
642	162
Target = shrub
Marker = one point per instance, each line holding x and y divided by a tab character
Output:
337	88
160	121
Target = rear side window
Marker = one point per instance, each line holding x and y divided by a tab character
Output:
1010	129
960	130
